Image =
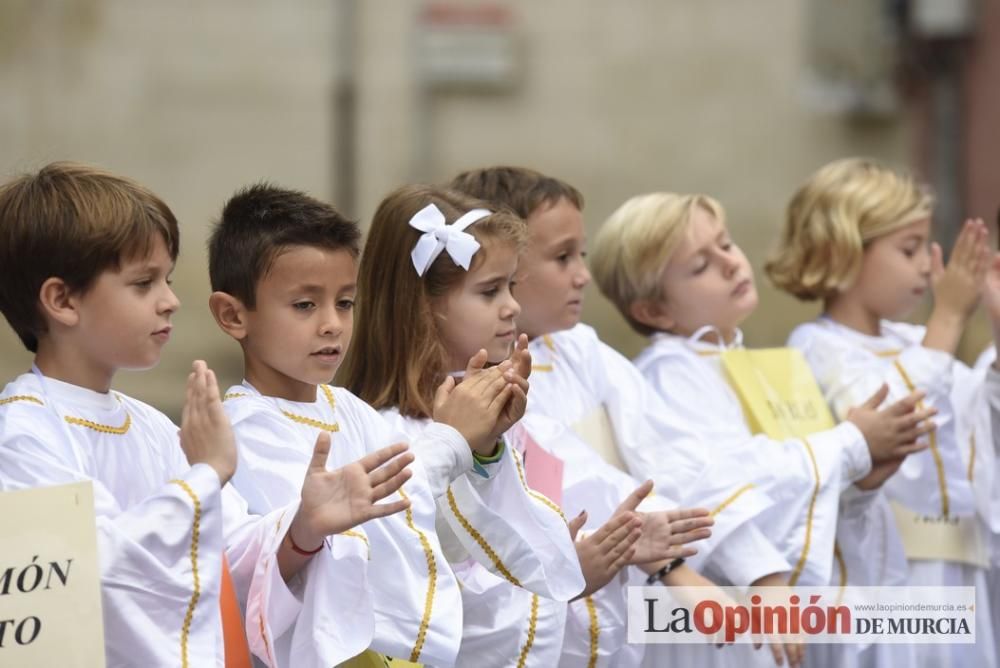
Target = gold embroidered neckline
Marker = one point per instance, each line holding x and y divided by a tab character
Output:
80	422
310	422
302	419
21	397
551	345
102	428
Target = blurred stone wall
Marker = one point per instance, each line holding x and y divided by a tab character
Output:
196	99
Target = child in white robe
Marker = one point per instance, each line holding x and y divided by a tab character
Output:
86	262
581	383
287	294
450	301
689	297
987	364
857	237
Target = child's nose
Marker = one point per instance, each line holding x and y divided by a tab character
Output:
170	303
925	263
331	324
511	308
730	264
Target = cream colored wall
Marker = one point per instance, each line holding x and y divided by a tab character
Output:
195	99
620	98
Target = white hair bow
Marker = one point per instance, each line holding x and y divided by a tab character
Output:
438	236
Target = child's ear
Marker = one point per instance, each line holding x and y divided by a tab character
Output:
230	314
652	313
58	302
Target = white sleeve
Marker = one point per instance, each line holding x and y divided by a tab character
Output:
697	396
502	623
930	482
597	627
160	559
512	531
992	391
849	375
979	430
869	550
993	398
658	444
803	476
444	454
324	615
489	514
655	443
406	568
745	557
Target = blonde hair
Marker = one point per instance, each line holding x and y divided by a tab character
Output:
840	209
635	244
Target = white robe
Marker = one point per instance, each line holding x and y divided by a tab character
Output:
596	627
574	374
158	521
850	367
414	596
689	376
991	389
500	535
988	423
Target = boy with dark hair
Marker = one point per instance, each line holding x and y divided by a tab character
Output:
85	264
284	273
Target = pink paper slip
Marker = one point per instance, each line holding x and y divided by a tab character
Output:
543	470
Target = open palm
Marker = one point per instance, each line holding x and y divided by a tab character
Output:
666	534
335	501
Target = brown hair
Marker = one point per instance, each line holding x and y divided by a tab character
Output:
71	221
257	223
397	358
518	188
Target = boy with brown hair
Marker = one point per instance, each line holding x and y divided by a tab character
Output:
85	264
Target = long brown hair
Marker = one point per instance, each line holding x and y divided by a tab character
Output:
397	358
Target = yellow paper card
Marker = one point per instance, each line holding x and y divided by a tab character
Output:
50	588
778	391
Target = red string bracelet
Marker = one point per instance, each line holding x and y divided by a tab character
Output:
299	550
